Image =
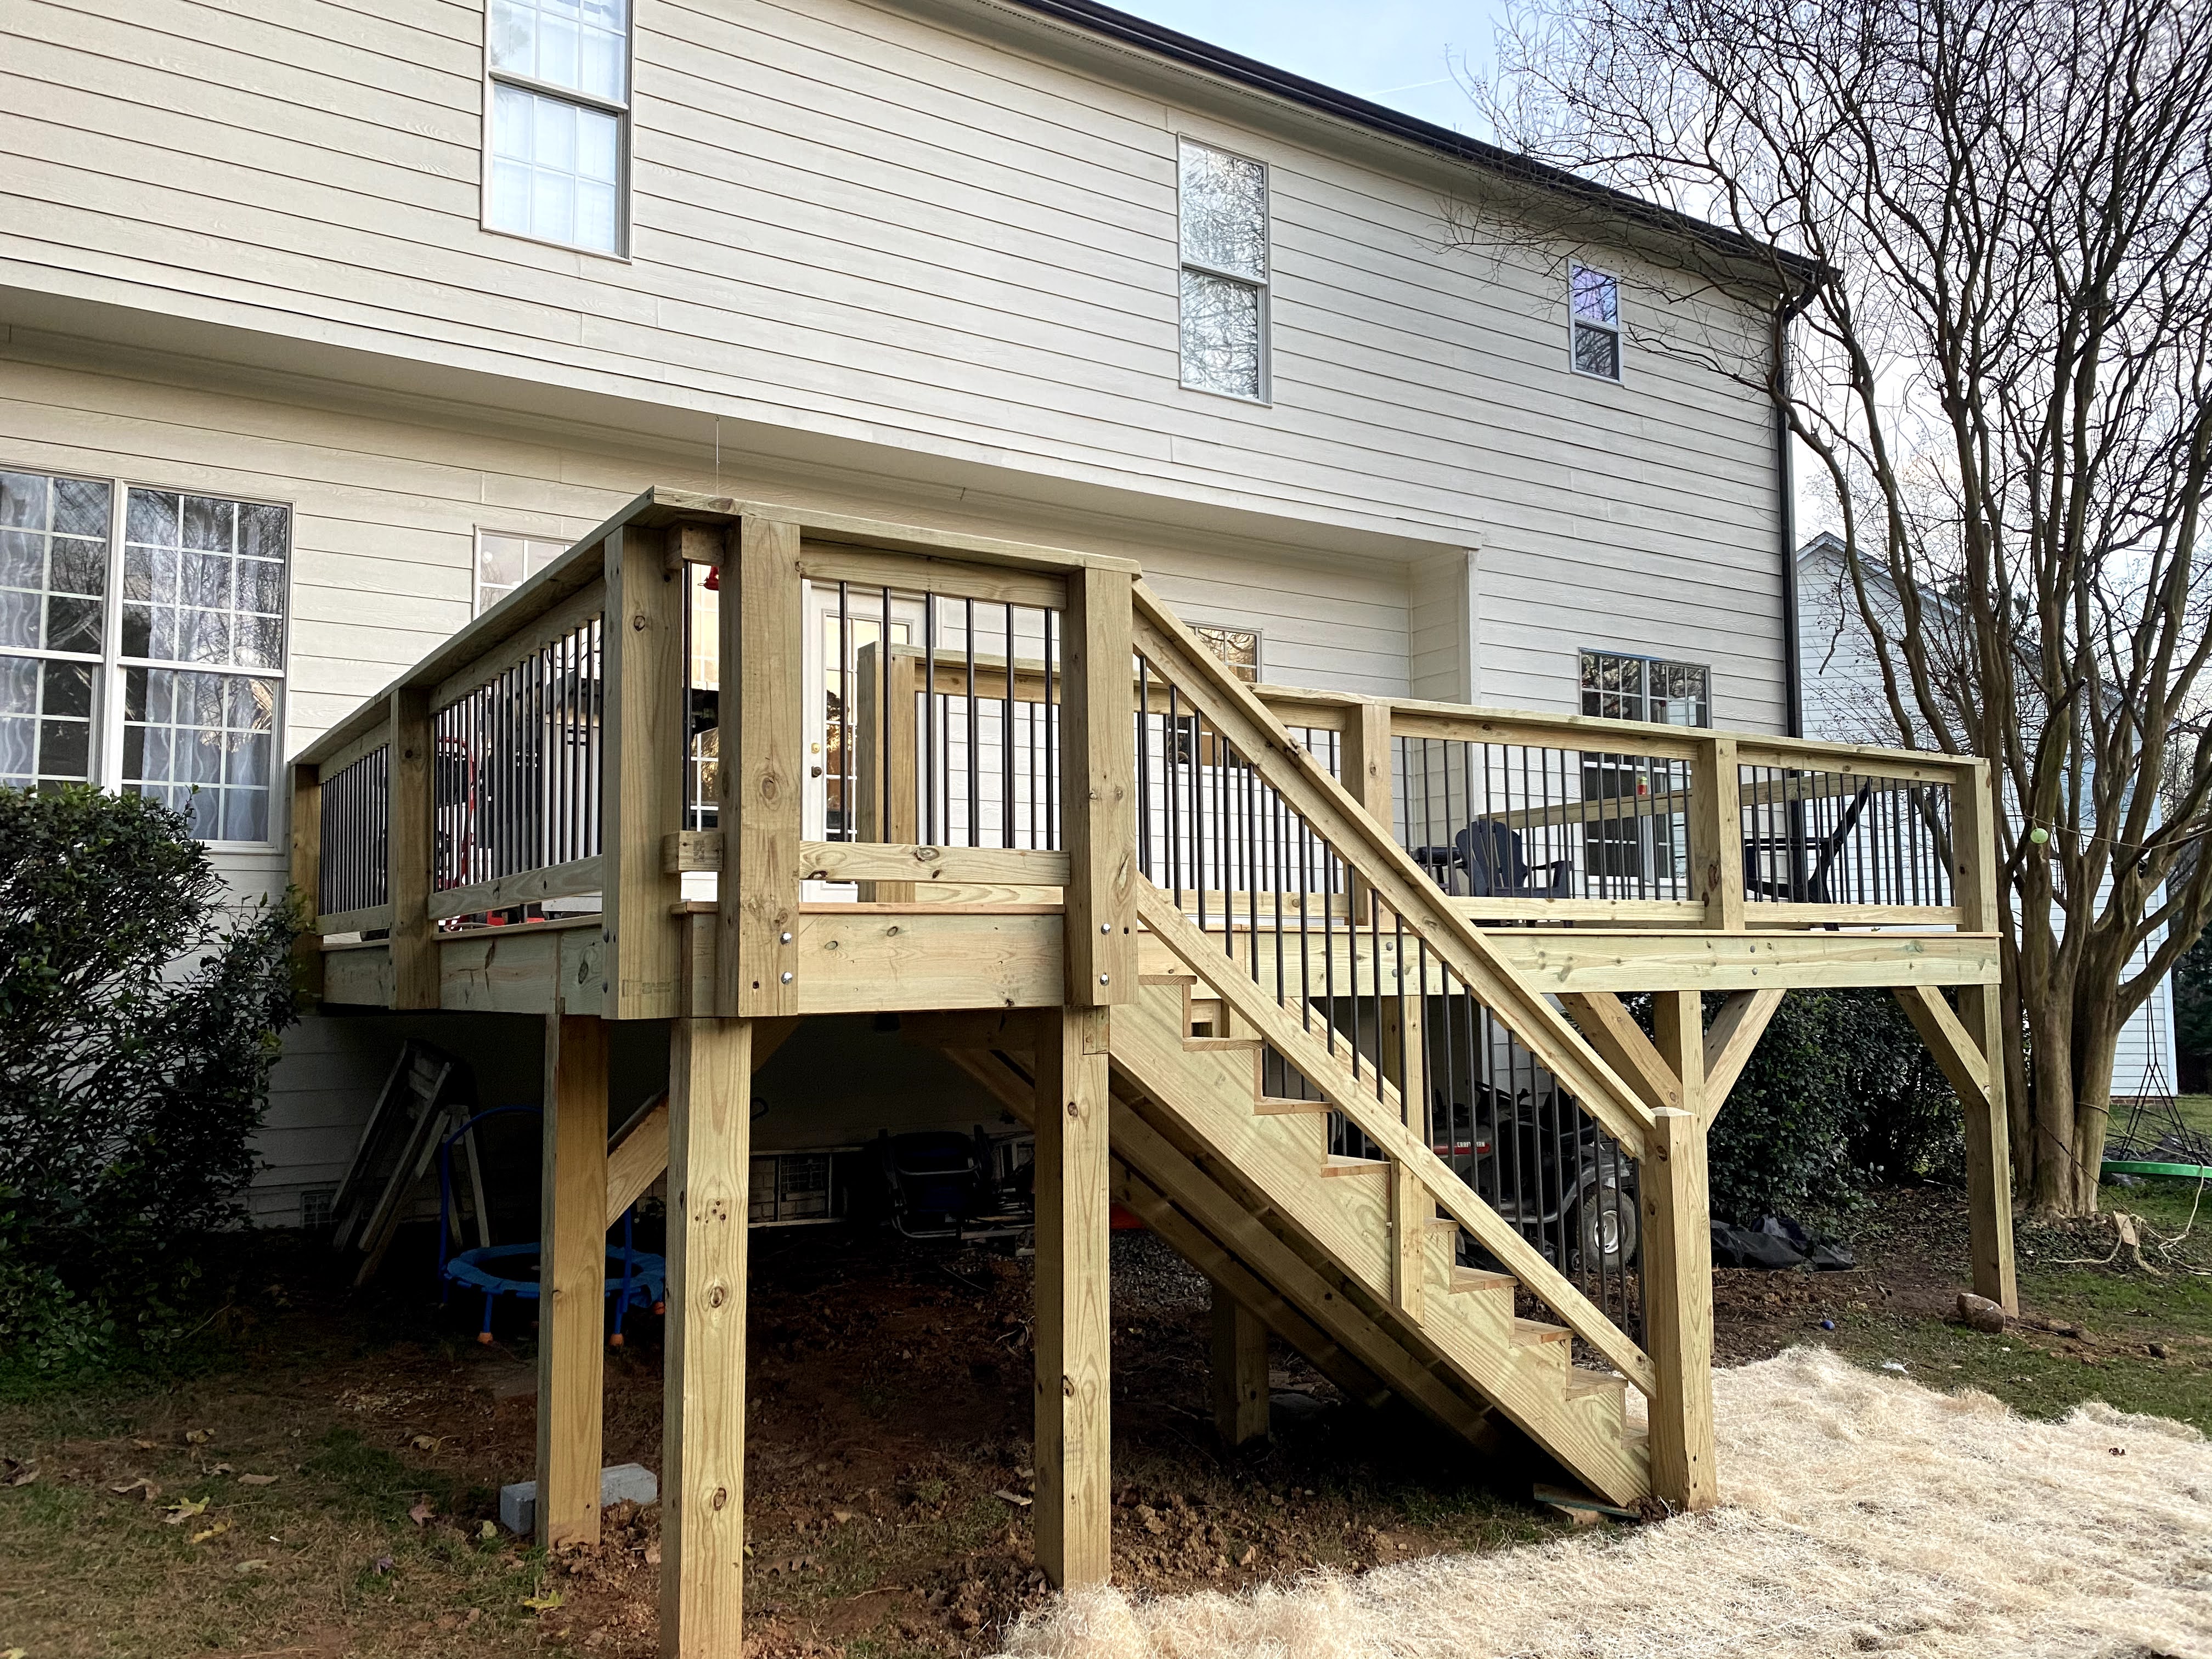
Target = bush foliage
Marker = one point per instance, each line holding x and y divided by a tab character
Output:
140	1008
1840	1095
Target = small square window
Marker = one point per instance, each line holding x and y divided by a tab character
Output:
504	562
1594	306
1239	648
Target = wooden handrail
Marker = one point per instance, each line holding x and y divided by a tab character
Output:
1254	1005
1400	884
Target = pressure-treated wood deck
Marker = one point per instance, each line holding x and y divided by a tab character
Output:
1246	957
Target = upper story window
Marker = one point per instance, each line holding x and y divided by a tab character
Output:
1239	648
141	644
1221	202
1593	301
556	122
1620	686
504	562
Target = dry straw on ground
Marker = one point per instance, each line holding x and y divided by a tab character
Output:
1861	1513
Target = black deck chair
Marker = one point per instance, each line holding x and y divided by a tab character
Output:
1814	888
1490	853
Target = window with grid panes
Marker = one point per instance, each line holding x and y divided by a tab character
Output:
556	121
141	644
1239	648
1628	853
1594	306
505	562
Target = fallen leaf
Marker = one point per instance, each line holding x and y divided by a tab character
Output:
425	1441
256	1565
383	1565
143	1445
544	1603
215	1531
1013	1497
182	1510
222	1468
256	1480
422	1511
489	1532
144	1491
841	1516
198	1437
18	1474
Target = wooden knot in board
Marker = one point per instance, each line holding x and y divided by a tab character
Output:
716	1296
721	1497
1067	1387
1074	1110
637	624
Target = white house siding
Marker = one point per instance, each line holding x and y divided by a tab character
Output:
856	223
897	264
1844	700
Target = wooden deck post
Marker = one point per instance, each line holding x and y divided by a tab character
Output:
307	876
884	742
572	1280
702	1502
1098	790
641	792
1981	1010
1677	1259
1716	833
1239	1376
1364	764
1074	1289
763	771
412	802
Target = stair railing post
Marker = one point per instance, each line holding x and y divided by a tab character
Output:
308	877
1981	1009
1098	804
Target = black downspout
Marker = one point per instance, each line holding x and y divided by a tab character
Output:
1793	668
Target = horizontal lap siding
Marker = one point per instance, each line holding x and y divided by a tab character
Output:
852	219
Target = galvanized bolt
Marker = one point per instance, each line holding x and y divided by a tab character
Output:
789	977
1105	979
1105	926
787	938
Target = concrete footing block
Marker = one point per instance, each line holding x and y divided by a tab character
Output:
623	1483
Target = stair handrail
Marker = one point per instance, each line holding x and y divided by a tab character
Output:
1164	920
1387	871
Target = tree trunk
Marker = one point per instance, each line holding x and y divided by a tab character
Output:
2096	1035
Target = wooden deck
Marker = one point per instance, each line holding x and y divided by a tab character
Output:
1001	790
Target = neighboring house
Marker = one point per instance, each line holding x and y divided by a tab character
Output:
1844	702
322	325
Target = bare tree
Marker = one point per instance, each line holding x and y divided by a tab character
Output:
2002	359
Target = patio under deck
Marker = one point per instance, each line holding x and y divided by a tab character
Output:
1256	962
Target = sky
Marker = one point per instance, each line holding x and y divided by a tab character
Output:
1397	52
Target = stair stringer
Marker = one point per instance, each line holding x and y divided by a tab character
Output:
1212	1228
1212	1094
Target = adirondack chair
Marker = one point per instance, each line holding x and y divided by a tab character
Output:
1490	853
1802	887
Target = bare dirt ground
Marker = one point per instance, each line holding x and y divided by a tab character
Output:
889	1453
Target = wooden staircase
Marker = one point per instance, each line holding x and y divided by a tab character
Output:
1393	1250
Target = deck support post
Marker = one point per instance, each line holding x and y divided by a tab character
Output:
1075	1288
1715	833
763	771
702	1506
1239	1376
572	1281
1677	1252
1968	1045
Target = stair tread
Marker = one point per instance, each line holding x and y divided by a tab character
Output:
1581	1380
1466	1280
1220	1045
1285	1105
1167	979
1535	1330
1337	1164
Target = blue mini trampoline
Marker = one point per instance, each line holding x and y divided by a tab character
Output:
636	1279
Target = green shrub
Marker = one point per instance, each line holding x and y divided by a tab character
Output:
1839	1095
140	1008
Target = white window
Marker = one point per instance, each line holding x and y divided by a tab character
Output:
141	644
1620	685
505	562
1238	647
556	120
1221	202
1593	301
